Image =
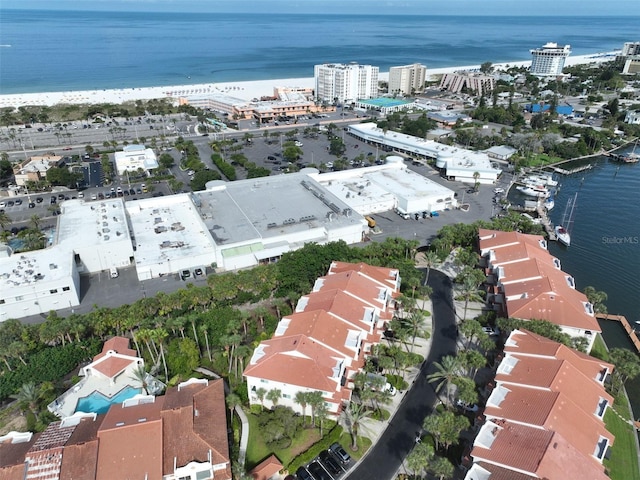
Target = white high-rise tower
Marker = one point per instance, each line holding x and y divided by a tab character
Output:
548	60
345	83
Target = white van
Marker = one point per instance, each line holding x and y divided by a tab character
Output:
114	272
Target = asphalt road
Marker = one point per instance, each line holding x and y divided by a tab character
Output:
386	456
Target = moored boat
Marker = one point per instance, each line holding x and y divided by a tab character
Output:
562	231
533	191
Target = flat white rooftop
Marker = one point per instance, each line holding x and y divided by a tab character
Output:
267	208
26	269
167	229
93	223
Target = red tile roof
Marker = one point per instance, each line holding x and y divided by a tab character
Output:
496	239
532	451
359	286
551	410
131	442
194	426
116	344
12	455
266	469
324	329
296	360
385	276
80	455
551	299
110	366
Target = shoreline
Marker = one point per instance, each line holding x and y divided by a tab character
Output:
245	90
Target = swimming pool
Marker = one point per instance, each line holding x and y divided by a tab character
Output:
98	403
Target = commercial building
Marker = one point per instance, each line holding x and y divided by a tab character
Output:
384	105
548	60
386	187
477	83
345	83
323	344
37	282
544	415
632	117
407	79
134	158
35	168
455	163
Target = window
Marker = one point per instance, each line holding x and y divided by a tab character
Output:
262	380
1	301
18	298
55	290
286	395
65	289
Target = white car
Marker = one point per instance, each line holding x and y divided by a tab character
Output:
467	408
498	190
492	332
298	144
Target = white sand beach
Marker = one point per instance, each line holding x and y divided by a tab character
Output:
244	90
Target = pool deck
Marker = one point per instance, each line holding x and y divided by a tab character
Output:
65	405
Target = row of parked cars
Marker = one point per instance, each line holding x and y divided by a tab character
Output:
331	464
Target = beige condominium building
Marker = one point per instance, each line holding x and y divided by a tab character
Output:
407	79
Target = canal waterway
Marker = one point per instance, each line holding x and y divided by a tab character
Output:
605	243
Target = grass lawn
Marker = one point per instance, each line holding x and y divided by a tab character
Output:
599	349
258	450
623	464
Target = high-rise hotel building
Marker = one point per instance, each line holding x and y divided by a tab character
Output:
407	79
336	82
548	60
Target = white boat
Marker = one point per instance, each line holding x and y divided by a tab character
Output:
563	233
549	203
533	191
545	179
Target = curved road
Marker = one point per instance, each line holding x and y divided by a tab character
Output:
384	459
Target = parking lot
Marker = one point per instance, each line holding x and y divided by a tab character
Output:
331	464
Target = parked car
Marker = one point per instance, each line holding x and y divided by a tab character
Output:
492	332
19	201
39	200
303	474
185	274
466	407
330	463
318	472
198	272
340	453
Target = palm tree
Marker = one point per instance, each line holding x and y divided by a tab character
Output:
140	374
205	331
469	293
447	369
29	394
431	259
274	396
261	393
232	402
301	399
419	458
35	221
314	399
353	417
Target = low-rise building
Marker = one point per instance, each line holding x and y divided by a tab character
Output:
134	158
456	163
323	344
179	436
526	282
632	117
35	169
544	415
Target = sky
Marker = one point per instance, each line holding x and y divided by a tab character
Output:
382	7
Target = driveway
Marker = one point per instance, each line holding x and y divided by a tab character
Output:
386	456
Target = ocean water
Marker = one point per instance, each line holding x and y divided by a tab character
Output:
57	50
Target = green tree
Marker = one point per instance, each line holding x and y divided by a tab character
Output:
261	393
627	366
232	401
441	467
445	427
420	457
29	396
352	417
301	399
140	375
446	371
596	298
5	220
274	396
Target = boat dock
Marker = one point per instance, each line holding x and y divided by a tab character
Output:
545	222
625	324
573	170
